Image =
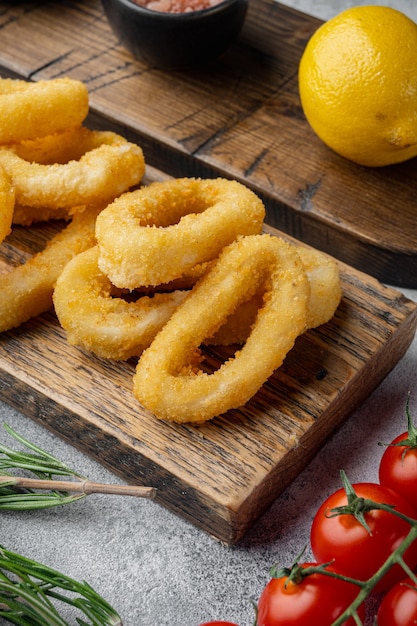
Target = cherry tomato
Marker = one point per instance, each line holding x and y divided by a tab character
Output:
399	606
352	549
315	601
398	469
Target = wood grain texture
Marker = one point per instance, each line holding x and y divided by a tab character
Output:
240	118
222	475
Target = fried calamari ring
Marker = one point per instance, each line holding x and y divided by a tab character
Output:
167	383
109	326
325	286
31	110
109	166
69	145
181	222
26	290
325	295
27	215
7	198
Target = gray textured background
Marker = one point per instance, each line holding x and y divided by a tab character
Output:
160	571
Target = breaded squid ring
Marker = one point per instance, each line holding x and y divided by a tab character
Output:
165	381
181	222
31	110
7	199
109	326
26	290
325	295
69	145
109	166
325	286
27	215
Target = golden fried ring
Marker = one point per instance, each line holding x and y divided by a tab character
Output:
181	222
26	290
109	166
69	145
325	295
165	381
7	199
31	110
27	215
109	326
325	286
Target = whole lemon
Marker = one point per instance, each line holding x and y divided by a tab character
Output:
358	85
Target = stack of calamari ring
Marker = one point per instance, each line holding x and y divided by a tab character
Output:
184	263
53	168
150	272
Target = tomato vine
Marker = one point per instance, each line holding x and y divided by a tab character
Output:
363	535
299	572
396	557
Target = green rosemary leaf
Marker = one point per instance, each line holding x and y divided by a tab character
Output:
26	602
31	446
35	501
28	589
41	461
7	484
45	467
34	464
41	464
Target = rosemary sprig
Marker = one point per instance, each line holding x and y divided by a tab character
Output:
19	493
41	463
28	589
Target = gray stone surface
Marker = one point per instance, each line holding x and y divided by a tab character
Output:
158	570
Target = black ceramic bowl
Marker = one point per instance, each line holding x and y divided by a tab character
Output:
176	40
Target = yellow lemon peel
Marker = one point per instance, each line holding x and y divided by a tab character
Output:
358	85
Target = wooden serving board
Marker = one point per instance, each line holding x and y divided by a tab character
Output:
239	117
222	475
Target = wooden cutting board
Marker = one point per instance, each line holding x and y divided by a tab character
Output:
239	117
222	475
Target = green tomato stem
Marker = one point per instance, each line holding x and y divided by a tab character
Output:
358	507
369	585
395	557
410	442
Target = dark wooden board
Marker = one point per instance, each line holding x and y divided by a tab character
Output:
222	475
240	118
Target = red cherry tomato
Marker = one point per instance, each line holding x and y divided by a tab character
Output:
399	606
315	601
352	549
398	470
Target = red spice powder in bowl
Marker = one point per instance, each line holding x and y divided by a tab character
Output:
176	34
177	6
